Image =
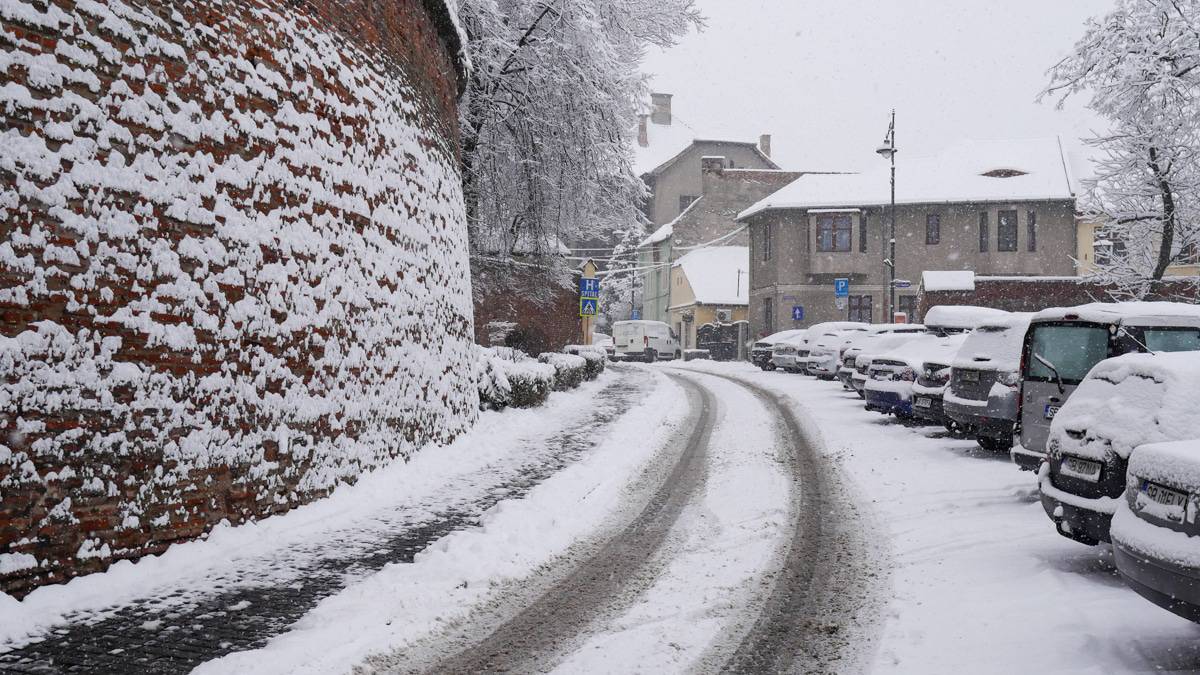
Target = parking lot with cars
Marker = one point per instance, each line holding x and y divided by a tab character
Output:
1102	403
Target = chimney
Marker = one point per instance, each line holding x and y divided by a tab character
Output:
643	136
660	108
764	144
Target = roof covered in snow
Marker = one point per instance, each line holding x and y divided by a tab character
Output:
713	274
969	171
948	280
960	316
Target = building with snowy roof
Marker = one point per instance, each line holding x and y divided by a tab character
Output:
708	285
993	207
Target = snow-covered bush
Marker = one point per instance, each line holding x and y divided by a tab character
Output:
595	356
569	369
507	377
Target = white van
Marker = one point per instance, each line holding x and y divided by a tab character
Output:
645	340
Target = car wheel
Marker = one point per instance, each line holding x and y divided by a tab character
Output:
995	444
678	355
651	356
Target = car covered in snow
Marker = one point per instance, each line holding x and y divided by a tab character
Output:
984	390
784	353
644	340
760	351
1063	343
856	342
890	377
949	319
819	331
824	355
1122	403
1155	530
878	347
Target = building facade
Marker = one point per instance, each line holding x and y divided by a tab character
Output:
709	285
995	208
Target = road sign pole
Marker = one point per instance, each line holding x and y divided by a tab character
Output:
589	299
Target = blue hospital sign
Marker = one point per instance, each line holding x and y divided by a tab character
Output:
589	288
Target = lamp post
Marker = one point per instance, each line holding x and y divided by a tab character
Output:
888	151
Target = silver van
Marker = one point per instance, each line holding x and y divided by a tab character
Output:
1063	344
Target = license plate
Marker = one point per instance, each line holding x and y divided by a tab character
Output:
1051	411
1172	504
970	376
1084	469
924	402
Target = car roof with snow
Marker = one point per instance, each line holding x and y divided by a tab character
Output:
1132	399
926	349
886	342
783	335
1136	313
995	344
960	316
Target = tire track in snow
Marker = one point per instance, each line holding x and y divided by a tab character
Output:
533	638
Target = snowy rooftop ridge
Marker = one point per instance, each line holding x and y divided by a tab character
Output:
968	171
713	273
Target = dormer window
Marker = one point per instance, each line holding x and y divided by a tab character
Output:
1003	173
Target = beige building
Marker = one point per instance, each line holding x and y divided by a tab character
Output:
996	207
708	285
1088	246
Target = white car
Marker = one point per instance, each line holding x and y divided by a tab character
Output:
890	377
760	352
825	354
645	340
784	354
822	330
880	345
960	318
854	343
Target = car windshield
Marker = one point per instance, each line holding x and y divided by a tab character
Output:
1172	339
1071	350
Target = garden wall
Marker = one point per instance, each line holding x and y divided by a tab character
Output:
233	264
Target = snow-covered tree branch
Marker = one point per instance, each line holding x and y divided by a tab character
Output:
549	115
1139	66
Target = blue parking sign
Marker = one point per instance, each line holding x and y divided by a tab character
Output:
841	288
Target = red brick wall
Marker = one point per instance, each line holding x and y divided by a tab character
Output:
233	266
1033	294
540	304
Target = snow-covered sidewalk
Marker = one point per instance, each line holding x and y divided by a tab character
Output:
243	585
980	581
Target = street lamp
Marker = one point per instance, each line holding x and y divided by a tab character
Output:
888	151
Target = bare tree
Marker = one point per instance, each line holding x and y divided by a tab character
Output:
1139	64
549	117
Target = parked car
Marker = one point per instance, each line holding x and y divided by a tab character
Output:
855	343
1155	533
645	340
818	331
1062	345
1123	403
890	378
604	342
824	356
882	345
984	391
948	319
760	352
783	353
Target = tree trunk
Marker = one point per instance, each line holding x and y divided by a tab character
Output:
1168	220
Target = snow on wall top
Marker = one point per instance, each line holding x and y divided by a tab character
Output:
713	274
948	280
1032	169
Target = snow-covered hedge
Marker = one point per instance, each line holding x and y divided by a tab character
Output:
595	356
569	369
507	377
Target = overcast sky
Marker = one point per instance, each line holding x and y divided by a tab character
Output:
822	75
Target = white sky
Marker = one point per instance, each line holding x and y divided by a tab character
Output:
821	76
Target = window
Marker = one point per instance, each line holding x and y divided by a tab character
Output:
983	232
1189	254
767	232
860	308
862	232
686	201
1172	339
933	228
1072	350
655	253
769	315
1006	231
1031	230
908	305
834	231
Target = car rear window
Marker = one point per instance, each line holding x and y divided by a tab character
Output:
1071	349
1172	339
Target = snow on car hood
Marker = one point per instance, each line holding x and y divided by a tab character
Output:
926	349
1128	401
995	344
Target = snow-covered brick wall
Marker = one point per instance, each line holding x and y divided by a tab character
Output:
233	264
